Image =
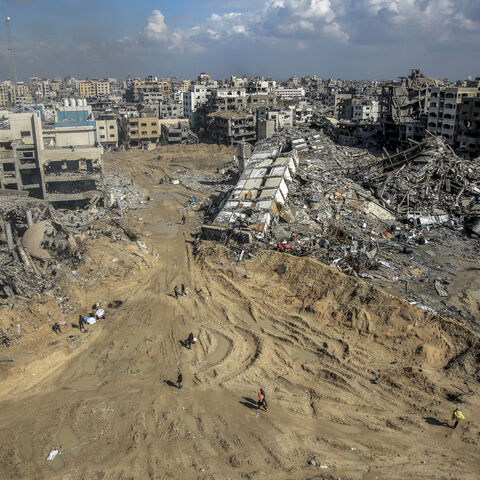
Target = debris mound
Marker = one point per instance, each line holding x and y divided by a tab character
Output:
426	180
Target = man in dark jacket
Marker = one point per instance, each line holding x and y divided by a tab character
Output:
190	340
179	381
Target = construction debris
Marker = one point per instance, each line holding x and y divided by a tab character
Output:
377	216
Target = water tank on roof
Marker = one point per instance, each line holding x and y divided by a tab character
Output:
65	102
73	103
79	102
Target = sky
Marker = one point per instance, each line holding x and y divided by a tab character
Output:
350	39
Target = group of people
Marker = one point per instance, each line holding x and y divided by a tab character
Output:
82	321
182	293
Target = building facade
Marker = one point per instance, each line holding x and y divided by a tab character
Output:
442	114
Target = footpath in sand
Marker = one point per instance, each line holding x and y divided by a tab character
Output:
360	384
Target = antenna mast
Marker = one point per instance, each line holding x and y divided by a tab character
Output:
13	68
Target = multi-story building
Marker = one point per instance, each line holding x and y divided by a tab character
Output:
56	161
289	93
141	131
86	89
5	94
107	131
468	127
303	112
177	132
403	109
150	97
229	128
365	110
102	88
192	100
170	110
281	118
227	99
93	88
442	113
150	84
340	104
204	79
23	93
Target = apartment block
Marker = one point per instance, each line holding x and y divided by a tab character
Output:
107	131
141	131
442	114
289	93
150	85
192	101
5	95
468	127
365	110
34	157
230	128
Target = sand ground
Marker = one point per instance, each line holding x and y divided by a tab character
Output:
360	384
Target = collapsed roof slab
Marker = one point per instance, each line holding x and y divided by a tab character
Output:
274	194
253	184
277	183
289	161
282	172
258	173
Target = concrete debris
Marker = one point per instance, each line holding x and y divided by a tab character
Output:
370	215
39	243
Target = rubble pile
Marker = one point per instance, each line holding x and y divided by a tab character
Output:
39	243
433	186
119	191
345	208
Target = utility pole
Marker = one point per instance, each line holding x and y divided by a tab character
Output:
13	68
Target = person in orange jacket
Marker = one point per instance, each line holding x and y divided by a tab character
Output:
261	400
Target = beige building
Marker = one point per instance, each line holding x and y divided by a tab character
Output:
150	85
86	89
102	88
33	159
107	132
140	131
93	88
23	93
5	94
442	113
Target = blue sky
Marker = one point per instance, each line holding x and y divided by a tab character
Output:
279	38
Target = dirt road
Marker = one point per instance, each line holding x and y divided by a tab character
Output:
355	379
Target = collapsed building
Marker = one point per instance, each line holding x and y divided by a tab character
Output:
58	159
403	109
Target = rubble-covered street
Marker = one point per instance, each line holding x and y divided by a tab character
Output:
360	382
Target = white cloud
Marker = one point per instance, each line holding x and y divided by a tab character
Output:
335	20
156	28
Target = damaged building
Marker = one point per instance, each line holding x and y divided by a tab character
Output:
403	109
229	128
259	195
59	161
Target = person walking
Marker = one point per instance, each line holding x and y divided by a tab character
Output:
457	415
264	398
190	340
183	219
175	291
81	323
261	400
184	291
56	328
179	380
